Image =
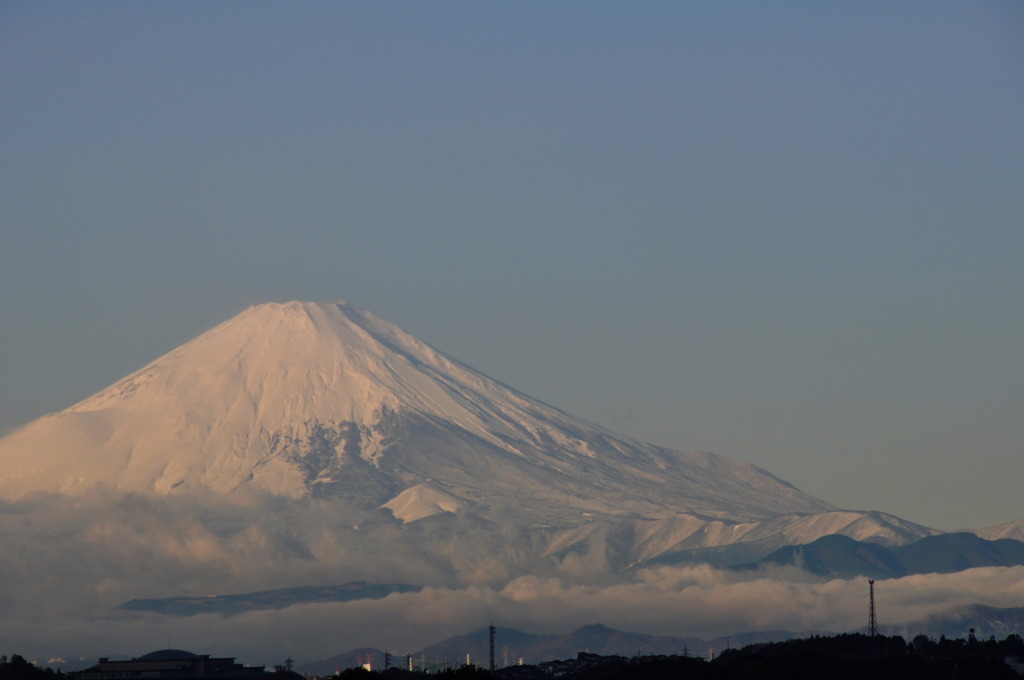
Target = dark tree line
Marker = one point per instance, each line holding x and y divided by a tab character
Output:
956	648
17	668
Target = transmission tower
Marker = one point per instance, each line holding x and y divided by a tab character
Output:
490	630
872	621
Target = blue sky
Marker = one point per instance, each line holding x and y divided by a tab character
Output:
791	232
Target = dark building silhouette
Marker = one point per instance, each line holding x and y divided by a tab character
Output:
177	664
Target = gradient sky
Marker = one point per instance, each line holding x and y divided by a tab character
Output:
789	232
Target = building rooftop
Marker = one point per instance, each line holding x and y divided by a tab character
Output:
167	655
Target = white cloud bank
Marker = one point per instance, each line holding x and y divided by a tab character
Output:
67	565
697	601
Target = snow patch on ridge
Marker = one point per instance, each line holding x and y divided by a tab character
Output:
422	501
1013	530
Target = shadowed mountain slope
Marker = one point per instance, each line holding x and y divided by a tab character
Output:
843	557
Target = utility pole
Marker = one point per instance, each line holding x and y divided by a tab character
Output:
872	621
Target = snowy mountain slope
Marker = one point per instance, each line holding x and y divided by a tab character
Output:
1014	530
310	400
634	543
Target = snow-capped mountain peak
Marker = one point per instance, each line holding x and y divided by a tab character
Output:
276	362
303	399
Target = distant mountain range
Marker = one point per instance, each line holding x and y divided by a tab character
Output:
514	646
843	557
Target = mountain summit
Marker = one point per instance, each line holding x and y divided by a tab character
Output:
326	400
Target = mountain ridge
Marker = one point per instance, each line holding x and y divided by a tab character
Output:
838	556
513	644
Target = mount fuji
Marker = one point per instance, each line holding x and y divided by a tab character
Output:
326	406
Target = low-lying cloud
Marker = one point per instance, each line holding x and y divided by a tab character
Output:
68	563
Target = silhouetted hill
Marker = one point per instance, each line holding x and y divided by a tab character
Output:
948	553
512	645
836	555
841	556
599	639
354	658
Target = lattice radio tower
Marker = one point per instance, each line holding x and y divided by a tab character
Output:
872	621
490	631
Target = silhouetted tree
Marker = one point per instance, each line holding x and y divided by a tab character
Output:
18	668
